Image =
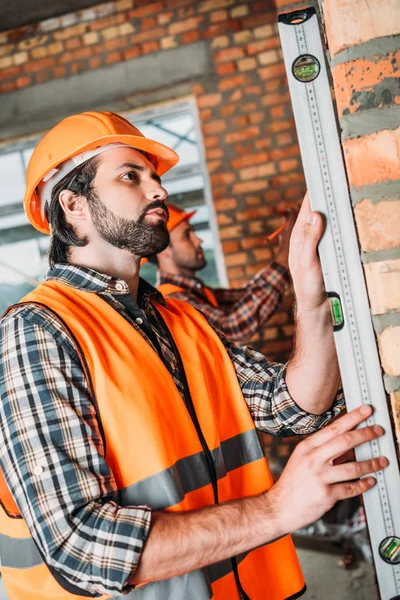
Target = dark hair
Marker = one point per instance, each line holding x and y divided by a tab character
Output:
63	236
153	259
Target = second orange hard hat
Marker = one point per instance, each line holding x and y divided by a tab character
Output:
78	134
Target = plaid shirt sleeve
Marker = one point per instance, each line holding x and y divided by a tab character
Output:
48	419
241	312
265	391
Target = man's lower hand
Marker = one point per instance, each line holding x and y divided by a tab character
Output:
313	481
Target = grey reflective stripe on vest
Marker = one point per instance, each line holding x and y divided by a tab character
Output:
19	553
169	487
192	586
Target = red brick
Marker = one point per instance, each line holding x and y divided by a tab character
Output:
225	204
227	110
294	192
228	54
149	47
272	196
256	20
82	53
209	100
147	10
383	282
258	171
7	86
218	15
236	81
213	153
235	272
107	22
214	127
279	180
213	165
23	81
261	45
231	246
263	143
205	114
279	98
226	233
362	75
256	117
112	58
373	158
284	138
288	165
190	36
164	18
181	26
378	225
276	126
11	72
73	43
222	178
146	36
147	23
249	160
237	259
198	89
211	140
244	134
278	111
226	68
240	121
224	219
94	62
241	149
250	186
389	345
263	254
45	63
253	90
131	52
77	67
222	28
59	71
272	71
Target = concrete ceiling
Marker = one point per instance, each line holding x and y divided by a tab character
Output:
16	13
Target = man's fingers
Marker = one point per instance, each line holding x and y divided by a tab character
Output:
345	423
355	470
348	440
341	491
313	230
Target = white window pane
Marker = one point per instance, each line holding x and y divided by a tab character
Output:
12	178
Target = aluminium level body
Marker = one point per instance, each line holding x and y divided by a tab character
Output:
344	280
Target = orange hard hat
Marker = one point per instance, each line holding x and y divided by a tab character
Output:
76	135
177	215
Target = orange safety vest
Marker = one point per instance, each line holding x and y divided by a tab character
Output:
170	288
173	469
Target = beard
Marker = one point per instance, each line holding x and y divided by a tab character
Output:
138	237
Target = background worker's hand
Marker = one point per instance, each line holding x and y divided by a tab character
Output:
304	263
282	252
313	481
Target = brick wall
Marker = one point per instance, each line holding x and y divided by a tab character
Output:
364	43
252	153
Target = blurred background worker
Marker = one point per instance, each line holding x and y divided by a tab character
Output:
238	312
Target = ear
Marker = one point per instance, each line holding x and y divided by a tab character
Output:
75	207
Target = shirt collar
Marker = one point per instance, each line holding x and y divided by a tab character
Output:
192	284
89	280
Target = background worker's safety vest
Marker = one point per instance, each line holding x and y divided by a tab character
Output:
162	453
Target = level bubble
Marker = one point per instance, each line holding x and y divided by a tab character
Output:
389	550
306	68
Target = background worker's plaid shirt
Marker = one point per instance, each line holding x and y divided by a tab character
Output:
48	419
242	311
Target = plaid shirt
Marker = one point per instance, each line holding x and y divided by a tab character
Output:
48	419
242	311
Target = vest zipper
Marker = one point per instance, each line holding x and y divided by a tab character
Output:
206	450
